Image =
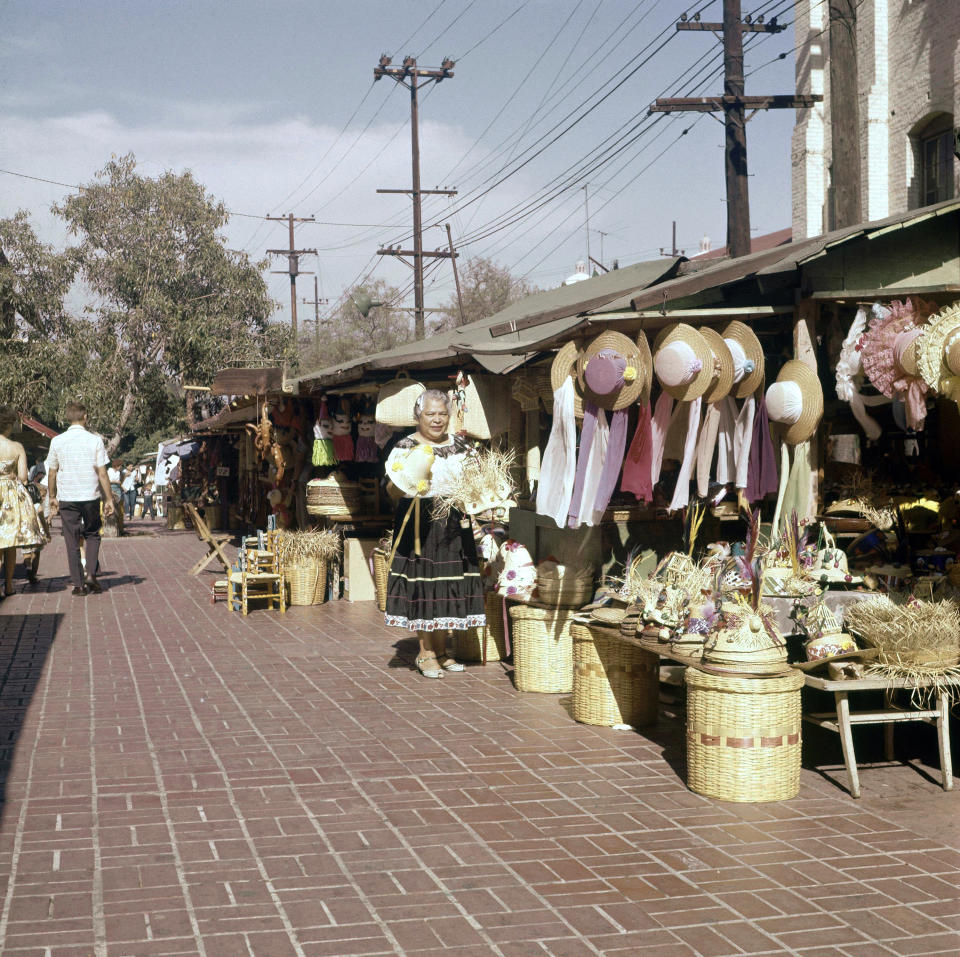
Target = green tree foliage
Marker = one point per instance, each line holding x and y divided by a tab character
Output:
487	287
349	333
170	303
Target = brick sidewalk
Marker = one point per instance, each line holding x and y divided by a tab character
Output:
179	780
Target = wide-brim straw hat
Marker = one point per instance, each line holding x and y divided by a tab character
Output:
681	332
747	339
644	346
722	381
410	469
811	411
939	347
634	377
565	365
863	654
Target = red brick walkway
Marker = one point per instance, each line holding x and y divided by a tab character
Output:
179	780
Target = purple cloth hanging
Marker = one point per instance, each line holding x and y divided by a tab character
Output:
612	462
586	443
762	471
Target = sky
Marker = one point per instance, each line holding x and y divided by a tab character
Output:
274	108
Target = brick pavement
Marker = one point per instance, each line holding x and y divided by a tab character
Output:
179	780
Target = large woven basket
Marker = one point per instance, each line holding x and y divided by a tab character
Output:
468	645
542	648
743	736
381	575
334	498
569	591
614	681
396	399
308	583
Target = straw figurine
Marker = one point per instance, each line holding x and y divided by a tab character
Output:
485	484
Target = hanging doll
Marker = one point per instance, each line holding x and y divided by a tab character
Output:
366	446
342	437
322	442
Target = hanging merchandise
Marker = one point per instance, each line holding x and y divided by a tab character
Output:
889	355
795	406
559	467
748	373
762	473
322	437
938	353
683	364
638	461
483	403
850	378
366	445
524	391
719	420
396	399
342	437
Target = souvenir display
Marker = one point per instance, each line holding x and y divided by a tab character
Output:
365	448
323	454
938	353
342	433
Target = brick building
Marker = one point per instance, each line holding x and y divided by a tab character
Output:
908	98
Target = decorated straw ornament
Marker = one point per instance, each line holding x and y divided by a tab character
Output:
938	353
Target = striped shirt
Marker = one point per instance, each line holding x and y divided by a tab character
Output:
76	455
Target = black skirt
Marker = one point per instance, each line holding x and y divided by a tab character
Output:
440	588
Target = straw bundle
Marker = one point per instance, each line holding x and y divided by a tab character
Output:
307	548
484	483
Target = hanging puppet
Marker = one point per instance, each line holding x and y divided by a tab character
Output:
365	449
342	428
322	437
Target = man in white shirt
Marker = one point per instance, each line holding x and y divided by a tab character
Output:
129	488
76	478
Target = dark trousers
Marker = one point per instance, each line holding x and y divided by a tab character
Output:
130	501
81	519
148	505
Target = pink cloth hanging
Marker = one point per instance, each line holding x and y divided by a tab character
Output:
658	434
636	466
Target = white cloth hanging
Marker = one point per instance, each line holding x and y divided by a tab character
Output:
559	466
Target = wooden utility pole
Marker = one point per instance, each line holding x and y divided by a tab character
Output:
844	115
293	263
673	247
456	275
414	79
734	104
316	303
586	216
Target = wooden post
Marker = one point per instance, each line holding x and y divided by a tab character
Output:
844	122
805	317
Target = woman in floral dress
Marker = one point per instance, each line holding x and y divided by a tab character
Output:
19	524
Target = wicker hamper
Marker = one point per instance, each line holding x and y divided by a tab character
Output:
573	590
308	583
468	645
614	682
542	648
381	574
334	498
743	736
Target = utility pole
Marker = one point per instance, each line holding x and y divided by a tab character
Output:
293	263
456	275
844	116
673	248
586	213
316	302
734	104
414	79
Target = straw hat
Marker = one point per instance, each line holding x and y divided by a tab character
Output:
646	363
410	469
831	566
683	362
723	369
795	402
748	362
564	365
744	645
610	371
938	351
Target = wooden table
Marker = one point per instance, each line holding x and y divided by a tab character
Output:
844	719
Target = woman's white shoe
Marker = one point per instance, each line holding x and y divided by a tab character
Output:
429	667
450	664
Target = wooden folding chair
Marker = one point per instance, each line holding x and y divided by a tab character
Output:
214	542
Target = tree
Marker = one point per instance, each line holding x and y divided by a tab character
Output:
487	287
171	303
350	333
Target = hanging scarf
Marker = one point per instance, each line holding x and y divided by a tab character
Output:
794	492
658	434
612	461
716	435
636	466
559	458
681	492
762	470
591	486
743	439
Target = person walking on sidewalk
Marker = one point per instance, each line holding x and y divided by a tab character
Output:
76	479
129	488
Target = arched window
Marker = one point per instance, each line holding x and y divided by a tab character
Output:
934	139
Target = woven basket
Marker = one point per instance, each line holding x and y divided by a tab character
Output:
308	583
334	498
381	575
468	645
614	682
396	399
542	649
570	591
743	736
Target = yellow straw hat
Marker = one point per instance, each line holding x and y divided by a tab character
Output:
722	381
610	371
564	365
745	347
682	362
795	402
647	364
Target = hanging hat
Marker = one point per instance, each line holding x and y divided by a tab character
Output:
795	402
938	352
410	469
683	362
564	366
747	353
610	371
646	361
723	368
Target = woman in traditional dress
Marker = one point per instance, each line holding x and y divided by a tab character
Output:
19	524
434	585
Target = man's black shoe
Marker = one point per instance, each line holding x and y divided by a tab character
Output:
94	586
80	590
